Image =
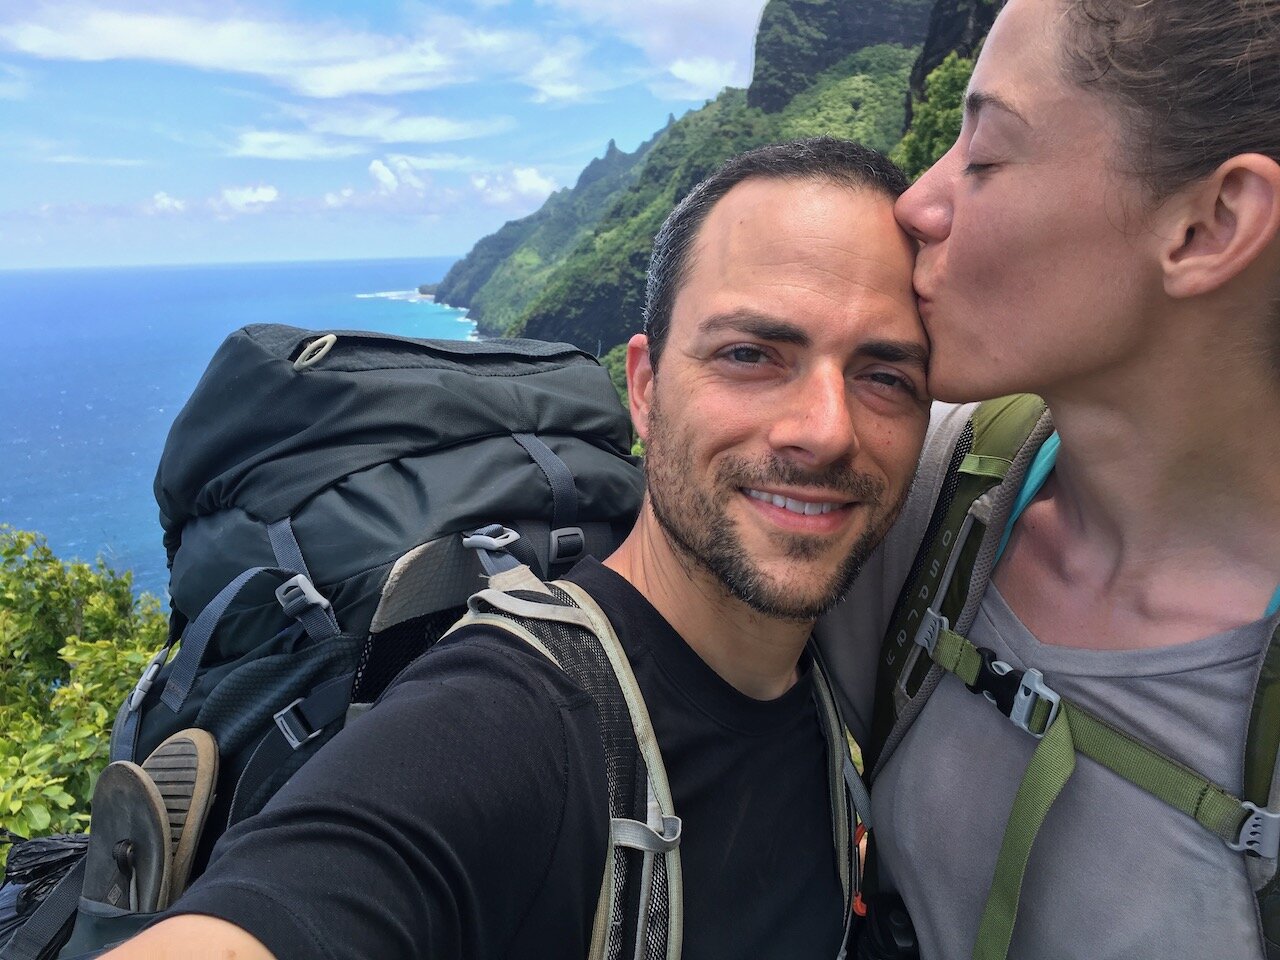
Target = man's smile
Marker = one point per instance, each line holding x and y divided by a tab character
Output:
811	513
805	506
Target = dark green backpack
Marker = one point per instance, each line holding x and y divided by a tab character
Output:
316	492
925	638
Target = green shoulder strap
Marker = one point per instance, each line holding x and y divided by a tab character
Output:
984	453
946	565
1262	787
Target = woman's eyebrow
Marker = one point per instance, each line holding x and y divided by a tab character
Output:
975	100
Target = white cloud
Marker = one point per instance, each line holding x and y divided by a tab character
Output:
15	83
162	203
387	181
281	145
381	124
75	158
560	73
246	199
339	198
321	59
396	174
673	34
434	161
519	185
529	182
697	78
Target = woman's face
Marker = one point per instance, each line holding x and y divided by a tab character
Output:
1035	268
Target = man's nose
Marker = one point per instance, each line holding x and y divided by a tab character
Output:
814	426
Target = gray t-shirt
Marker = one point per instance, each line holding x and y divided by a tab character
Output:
1114	873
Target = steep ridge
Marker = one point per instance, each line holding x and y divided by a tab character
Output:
496	280
552	277
799	39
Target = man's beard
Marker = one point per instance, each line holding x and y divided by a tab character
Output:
697	524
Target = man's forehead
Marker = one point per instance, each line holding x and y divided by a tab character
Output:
770	245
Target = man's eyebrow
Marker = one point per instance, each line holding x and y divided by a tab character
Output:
975	100
759	325
896	351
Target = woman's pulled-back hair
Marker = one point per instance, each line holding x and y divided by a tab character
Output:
1197	81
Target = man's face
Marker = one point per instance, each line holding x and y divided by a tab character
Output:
784	425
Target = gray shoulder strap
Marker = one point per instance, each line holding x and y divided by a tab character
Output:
656	837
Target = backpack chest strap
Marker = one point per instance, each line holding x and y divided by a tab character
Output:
1065	730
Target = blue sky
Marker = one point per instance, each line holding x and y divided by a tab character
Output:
190	131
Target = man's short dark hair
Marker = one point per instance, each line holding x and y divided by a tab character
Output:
828	159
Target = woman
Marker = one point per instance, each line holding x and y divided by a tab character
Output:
1104	234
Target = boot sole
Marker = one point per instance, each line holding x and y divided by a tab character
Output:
184	769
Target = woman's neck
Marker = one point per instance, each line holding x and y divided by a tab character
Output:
1163	509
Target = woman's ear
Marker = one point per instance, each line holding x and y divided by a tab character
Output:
639	383
1221	225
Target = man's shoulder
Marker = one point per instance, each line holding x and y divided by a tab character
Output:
485	659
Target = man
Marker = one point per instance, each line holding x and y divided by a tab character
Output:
781	395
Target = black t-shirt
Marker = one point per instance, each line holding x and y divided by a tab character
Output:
465	815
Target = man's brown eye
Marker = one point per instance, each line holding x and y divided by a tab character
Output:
746	355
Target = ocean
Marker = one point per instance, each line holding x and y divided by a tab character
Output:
95	364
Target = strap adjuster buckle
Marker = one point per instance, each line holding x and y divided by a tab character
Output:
298	593
1260	833
1031	691
931	626
148	678
1015	693
293	726
567	544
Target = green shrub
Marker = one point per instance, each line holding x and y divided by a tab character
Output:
935	121
73	640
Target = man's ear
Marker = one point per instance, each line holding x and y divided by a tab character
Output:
639	383
1222	225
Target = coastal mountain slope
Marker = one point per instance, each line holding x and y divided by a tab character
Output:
496	279
596	298
575	271
799	39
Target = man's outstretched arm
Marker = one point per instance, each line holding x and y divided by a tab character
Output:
192	937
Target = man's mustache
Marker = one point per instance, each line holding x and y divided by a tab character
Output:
834	479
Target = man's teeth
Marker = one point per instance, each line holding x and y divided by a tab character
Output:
795	506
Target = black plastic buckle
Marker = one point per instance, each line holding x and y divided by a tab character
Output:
295	729
997	681
568	544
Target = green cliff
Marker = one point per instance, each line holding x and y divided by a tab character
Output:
496	280
596	298
799	39
574	270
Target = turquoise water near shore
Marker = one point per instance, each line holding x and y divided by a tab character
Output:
95	364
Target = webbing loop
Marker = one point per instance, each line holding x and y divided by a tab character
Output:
641	836
490	544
